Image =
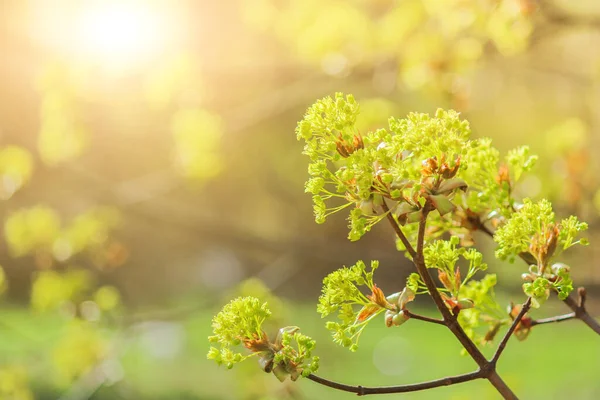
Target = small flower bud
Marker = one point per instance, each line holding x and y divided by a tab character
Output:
378	297
560	267
295	374
429	166
445	280
395	319
527	277
280	372
266	362
400	318
393	298
464	304
389	317
491	333
457	278
449	172
357	142
366	206
533	269
503	175
406	296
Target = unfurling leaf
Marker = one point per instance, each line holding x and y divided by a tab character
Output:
449	185
367	311
442	203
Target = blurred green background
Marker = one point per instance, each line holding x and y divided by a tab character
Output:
149	168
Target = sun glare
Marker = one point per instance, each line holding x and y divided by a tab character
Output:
120	34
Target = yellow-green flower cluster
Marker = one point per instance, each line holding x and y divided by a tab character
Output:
240	323
529	228
416	159
444	256
296	348
341	294
533	233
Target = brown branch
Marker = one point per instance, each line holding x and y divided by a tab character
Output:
409	248
410	314
362	390
449	318
582	314
487	368
526	306
558	318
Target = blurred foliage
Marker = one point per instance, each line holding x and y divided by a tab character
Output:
80	349
14	384
431	41
2	280
197	135
16	167
38	231
62	135
32	229
51	289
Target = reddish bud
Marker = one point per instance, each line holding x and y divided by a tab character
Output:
491	334
524	326
378	297
367	312
443	276
457	279
503	175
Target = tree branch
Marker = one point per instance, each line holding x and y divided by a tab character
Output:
449	319
526	306
362	390
487	368
410	314
582	314
558	318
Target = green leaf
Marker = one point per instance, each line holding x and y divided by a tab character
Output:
448	185
442	204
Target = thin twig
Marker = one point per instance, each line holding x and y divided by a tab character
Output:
582	314
409	248
526	306
558	318
362	390
410	314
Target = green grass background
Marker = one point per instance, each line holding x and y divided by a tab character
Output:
558	361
